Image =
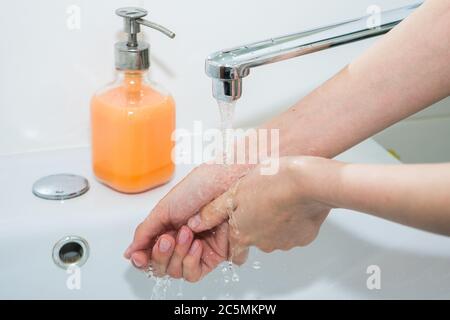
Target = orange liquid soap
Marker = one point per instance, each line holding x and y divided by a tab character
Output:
131	126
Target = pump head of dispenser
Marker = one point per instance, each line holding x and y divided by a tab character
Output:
133	54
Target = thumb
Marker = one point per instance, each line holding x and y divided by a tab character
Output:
213	214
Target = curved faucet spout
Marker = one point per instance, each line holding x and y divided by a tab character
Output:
228	67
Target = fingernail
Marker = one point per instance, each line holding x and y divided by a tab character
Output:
164	245
194	247
183	236
195	221
137	263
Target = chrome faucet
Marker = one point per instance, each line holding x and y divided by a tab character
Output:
228	67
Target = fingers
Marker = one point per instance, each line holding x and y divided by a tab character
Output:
174	210
192	268
213	213
240	257
140	259
161	253
210	257
145	234
183	243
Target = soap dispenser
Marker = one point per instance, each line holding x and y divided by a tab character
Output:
132	118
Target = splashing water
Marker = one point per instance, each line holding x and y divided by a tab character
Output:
149	272
235	276
161	285
226	277
159	291
180	289
229	273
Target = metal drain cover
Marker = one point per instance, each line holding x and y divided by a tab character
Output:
60	186
70	251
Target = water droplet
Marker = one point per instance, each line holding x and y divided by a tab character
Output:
149	272
180	288
256	265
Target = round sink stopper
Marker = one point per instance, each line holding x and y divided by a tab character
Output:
60	186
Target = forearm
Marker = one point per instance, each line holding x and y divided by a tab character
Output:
405	71
414	195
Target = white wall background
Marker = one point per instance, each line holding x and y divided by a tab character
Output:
49	71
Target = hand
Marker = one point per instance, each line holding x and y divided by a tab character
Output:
271	212
155	237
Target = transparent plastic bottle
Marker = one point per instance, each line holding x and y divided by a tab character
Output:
132	120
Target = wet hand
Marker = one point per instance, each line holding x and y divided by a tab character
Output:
182	255
159	236
272	212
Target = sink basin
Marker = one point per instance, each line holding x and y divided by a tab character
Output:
413	263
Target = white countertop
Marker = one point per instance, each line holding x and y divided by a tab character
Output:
413	263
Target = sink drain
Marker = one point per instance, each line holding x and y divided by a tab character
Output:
70	251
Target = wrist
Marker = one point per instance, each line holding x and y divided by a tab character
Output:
223	176
317	179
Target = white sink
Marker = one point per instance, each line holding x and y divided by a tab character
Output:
413	264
